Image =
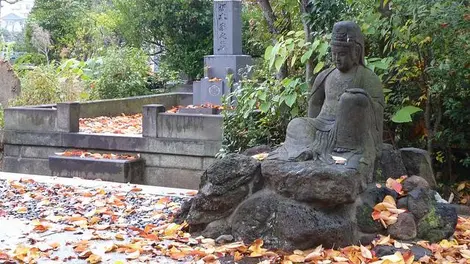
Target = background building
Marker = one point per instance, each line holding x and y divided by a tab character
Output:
13	16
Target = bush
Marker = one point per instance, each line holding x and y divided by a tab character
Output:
264	107
50	84
123	73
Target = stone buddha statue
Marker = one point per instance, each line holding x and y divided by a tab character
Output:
345	114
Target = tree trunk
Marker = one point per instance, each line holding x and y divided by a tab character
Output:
308	38
269	15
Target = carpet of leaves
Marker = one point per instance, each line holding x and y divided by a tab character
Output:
94	155
176	109
124	124
141	226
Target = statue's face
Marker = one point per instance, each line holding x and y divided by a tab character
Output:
342	57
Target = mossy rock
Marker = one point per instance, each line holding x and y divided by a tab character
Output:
365	222
438	224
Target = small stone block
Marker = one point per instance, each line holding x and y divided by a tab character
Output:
149	119
93	169
68	116
202	111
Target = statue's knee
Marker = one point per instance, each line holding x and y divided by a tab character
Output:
354	100
296	124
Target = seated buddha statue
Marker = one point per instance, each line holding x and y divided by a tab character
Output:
345	112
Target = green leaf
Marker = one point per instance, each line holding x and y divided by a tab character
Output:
319	67
306	56
290	99
267	53
279	62
264	107
323	49
404	115
292	62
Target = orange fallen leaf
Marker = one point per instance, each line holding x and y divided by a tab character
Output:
93	259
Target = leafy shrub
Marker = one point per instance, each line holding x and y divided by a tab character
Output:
48	84
123	73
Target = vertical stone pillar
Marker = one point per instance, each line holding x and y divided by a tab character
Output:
68	116
227	27
149	119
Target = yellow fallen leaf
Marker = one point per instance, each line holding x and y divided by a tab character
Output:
133	255
461	186
296	258
395	258
22	210
93	259
366	252
465	253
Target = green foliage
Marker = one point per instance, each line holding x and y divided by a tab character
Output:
404	114
47	84
263	110
180	30
428	41
123	73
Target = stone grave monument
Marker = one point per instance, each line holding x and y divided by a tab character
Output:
10	86
227	59
320	186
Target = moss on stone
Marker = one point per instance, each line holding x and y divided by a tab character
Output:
364	220
429	226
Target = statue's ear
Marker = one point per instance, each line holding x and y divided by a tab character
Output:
357	53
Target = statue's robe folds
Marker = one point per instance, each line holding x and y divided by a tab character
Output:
345	118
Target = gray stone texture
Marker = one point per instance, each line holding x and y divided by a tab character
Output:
150	118
132	105
390	164
227	27
93	169
414	182
420	201
9	83
227	58
189	126
418	251
404	228
68	115
438	224
418	162
311	182
31	119
284	223
224	185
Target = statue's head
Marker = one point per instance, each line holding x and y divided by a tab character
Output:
347	45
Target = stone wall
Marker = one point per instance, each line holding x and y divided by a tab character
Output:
176	148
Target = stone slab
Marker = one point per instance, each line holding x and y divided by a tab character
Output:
31	119
175	146
26	165
93	169
190	126
202	111
219	65
173	178
132	105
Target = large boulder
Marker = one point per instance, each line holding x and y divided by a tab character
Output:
438	224
390	164
312	182
418	162
288	224
224	185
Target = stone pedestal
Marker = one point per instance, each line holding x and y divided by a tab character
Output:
227	59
